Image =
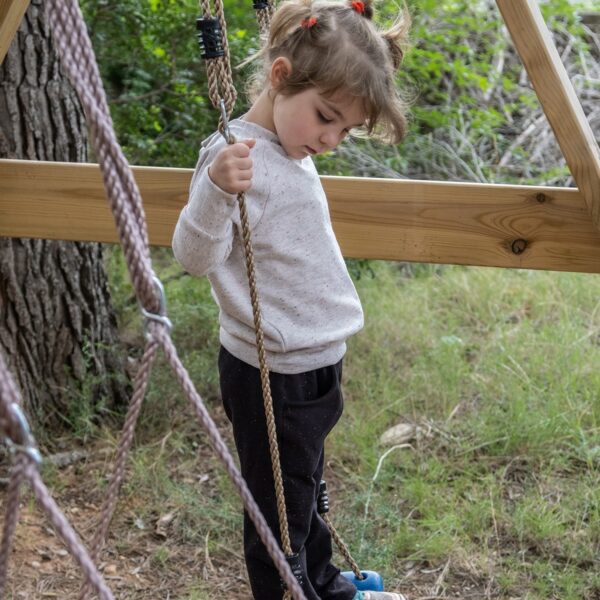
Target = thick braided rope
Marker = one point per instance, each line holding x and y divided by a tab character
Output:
263	16
225	72
342	547
110	499
88	72
218	70
11	516
264	377
225	80
78	60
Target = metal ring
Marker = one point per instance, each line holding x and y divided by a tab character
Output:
161	315
28	445
225	118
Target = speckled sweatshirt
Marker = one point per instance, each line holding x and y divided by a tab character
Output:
308	301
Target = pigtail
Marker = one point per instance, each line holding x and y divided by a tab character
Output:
287	20
396	38
335	46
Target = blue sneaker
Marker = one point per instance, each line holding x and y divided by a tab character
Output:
378	596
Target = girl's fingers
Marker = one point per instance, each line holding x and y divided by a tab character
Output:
243	164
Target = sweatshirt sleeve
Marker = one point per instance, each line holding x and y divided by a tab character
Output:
204	232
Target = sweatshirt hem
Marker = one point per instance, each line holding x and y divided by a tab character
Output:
288	363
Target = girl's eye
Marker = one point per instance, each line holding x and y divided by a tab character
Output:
323	118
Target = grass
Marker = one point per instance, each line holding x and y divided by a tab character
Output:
497	496
498	367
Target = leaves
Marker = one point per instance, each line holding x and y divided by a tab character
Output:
469	99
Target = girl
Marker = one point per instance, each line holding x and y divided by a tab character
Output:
327	70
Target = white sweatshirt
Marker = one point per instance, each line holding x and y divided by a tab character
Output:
308	301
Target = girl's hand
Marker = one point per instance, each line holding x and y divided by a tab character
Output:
231	170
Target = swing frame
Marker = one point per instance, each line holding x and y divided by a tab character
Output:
405	220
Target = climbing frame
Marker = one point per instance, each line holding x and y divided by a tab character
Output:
441	222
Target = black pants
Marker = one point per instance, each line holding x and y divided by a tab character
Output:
306	407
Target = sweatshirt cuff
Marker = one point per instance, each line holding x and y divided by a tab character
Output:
210	208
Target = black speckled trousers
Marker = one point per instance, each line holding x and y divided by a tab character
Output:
306	406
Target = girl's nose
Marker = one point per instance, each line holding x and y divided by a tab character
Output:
330	138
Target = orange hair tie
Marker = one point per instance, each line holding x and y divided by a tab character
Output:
358	6
308	22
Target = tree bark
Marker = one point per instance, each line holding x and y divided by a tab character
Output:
57	326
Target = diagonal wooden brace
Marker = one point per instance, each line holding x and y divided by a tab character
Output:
11	14
557	97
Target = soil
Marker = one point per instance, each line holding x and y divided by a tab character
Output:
41	568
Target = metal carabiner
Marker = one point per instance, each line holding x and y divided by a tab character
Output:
161	315
27	445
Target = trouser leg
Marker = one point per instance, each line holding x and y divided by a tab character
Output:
306	407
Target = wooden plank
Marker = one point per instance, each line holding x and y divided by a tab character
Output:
11	14
557	96
460	223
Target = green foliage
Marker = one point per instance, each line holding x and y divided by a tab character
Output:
462	79
496	369
154	76
469	101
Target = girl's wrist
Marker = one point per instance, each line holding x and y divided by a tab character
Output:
212	179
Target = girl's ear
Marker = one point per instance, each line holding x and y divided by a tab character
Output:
281	69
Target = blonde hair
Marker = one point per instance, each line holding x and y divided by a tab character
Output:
343	51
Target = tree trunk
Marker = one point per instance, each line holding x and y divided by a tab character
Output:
57	326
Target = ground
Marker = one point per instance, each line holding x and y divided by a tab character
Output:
40	567
145	559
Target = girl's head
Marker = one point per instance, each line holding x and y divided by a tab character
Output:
336	48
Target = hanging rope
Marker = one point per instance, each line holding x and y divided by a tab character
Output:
264	11
216	53
217	59
17	435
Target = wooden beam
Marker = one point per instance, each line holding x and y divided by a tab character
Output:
460	223
11	14
557	96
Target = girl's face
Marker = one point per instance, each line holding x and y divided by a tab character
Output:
309	123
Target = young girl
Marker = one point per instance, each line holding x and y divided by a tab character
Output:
327	70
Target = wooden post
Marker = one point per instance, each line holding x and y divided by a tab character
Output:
557	96
11	14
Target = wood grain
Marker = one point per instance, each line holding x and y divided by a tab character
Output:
459	223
